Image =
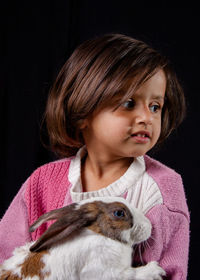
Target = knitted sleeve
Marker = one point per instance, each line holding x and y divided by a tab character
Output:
170	236
43	191
170	241
14	227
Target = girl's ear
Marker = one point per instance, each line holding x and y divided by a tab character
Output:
83	124
70	220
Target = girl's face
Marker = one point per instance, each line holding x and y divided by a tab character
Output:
132	129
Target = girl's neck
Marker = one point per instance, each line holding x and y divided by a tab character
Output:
97	173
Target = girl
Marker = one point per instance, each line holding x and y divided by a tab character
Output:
113	101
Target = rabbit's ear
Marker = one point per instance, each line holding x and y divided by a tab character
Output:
70	222
52	215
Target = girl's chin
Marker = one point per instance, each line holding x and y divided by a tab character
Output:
138	154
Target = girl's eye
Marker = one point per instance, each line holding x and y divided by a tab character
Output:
129	104
119	213
154	108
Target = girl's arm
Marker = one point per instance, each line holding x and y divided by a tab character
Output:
170	241
14	227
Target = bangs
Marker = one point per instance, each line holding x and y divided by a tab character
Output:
122	87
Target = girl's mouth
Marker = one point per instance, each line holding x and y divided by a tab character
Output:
141	137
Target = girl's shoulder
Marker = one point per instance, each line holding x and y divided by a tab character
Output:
58	162
170	184
159	170
52	167
49	178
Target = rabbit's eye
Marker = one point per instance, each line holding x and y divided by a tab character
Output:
119	213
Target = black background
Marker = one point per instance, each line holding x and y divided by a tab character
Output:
37	38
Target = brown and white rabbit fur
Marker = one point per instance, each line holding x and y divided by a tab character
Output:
89	240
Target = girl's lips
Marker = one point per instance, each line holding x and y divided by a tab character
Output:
141	140
141	137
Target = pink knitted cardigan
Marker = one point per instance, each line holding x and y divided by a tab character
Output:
48	187
46	191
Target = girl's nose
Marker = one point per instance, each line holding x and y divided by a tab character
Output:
143	116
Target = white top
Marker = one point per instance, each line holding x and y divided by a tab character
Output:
135	184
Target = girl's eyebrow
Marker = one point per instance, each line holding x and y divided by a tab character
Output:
158	97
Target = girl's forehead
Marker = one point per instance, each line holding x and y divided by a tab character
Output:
154	86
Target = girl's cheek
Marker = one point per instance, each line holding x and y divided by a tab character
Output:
158	130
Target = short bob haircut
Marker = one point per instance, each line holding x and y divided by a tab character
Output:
97	72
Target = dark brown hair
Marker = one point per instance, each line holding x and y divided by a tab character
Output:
98	70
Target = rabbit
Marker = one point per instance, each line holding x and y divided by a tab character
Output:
92	240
